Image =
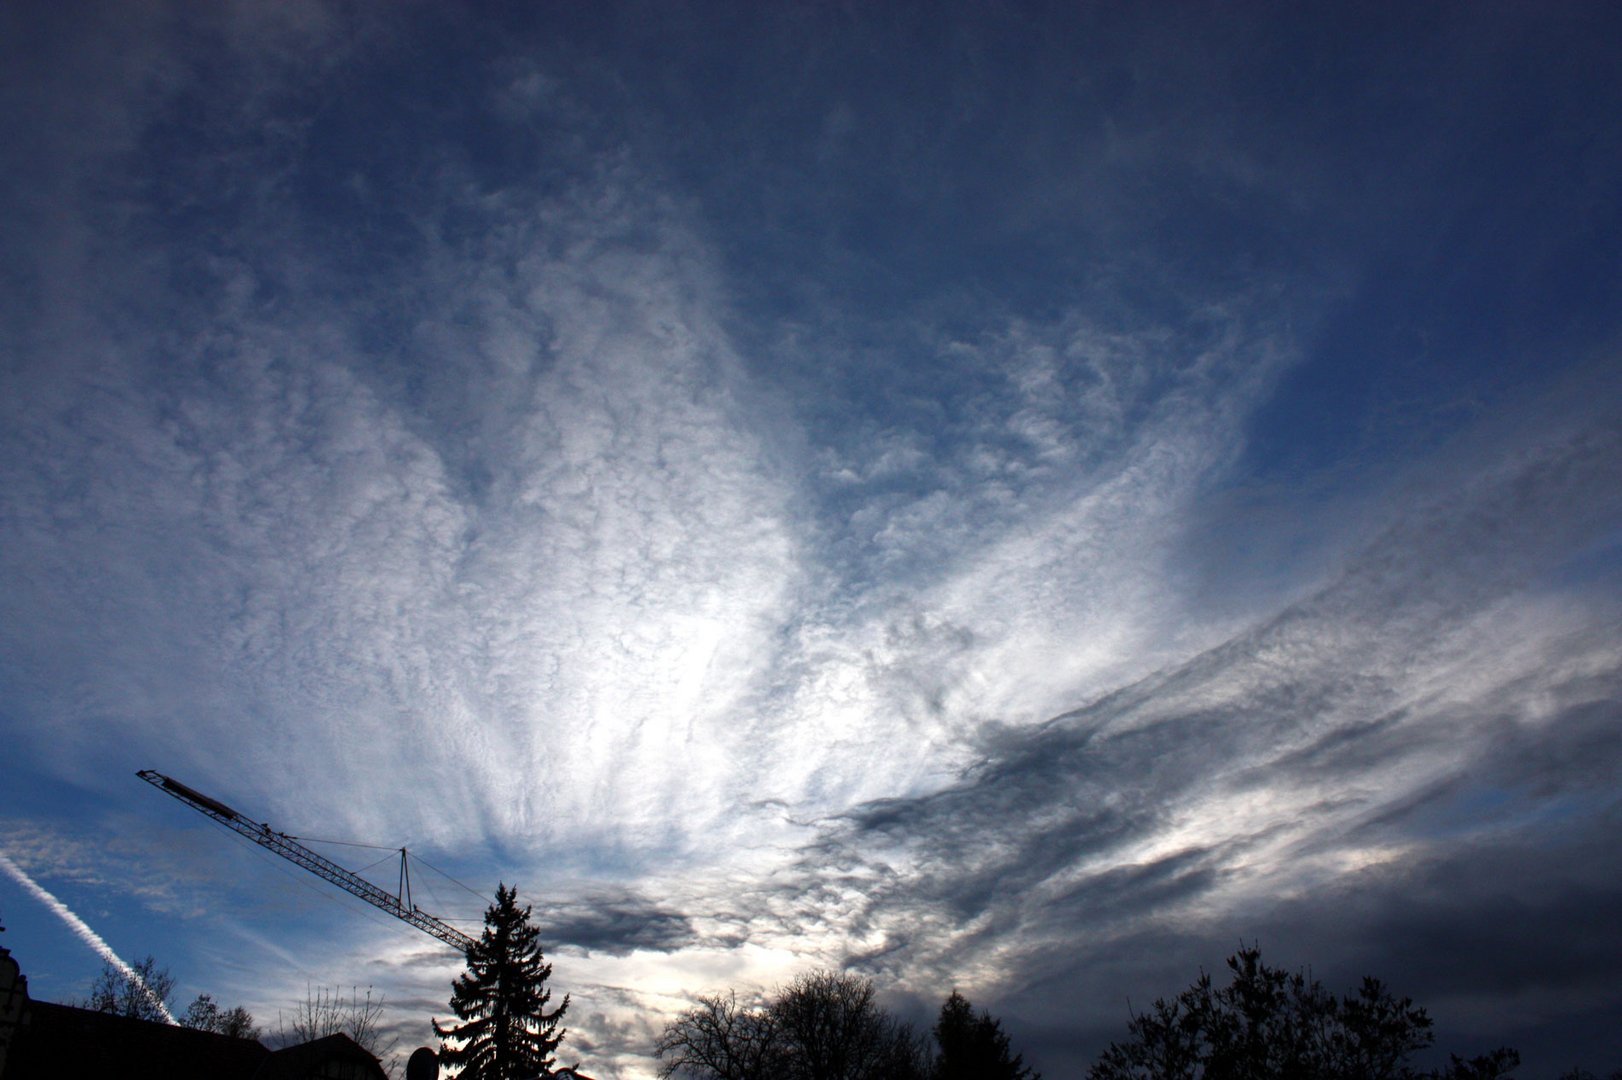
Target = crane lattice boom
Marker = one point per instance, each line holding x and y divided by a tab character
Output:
293	851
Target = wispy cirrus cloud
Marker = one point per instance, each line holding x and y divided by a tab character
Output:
610	567
1287	762
982	545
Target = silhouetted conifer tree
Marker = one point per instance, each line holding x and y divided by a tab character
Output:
506	1031
974	1047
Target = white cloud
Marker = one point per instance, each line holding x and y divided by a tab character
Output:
511	546
82	931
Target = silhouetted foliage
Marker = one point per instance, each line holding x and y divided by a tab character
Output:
143	992
204	1014
833	1030
971	1047
822	1026
719	1039
1486	1067
326	1012
1270	1023
506	1031
1584	1074
906	1056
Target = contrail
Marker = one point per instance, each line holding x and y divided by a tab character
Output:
86	935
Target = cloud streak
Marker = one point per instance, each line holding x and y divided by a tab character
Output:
816	489
82	931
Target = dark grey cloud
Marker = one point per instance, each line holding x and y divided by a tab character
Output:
1437	809
1508	939
614	922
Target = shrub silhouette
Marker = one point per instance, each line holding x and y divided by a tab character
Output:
1269	1023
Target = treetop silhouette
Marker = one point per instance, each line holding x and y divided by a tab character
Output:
507	1032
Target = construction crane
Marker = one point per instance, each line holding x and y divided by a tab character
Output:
290	849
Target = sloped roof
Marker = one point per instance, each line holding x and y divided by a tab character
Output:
62	1042
336	1057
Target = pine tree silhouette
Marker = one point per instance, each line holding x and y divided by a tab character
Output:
506	1032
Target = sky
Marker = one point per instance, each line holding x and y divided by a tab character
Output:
1015	497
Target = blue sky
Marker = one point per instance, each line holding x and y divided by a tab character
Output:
1004	497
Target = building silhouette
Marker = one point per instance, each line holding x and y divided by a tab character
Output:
41	1039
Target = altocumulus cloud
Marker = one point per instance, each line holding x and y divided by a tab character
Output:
608	505
1417	720
777	531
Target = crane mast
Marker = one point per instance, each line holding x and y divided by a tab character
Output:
290	849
